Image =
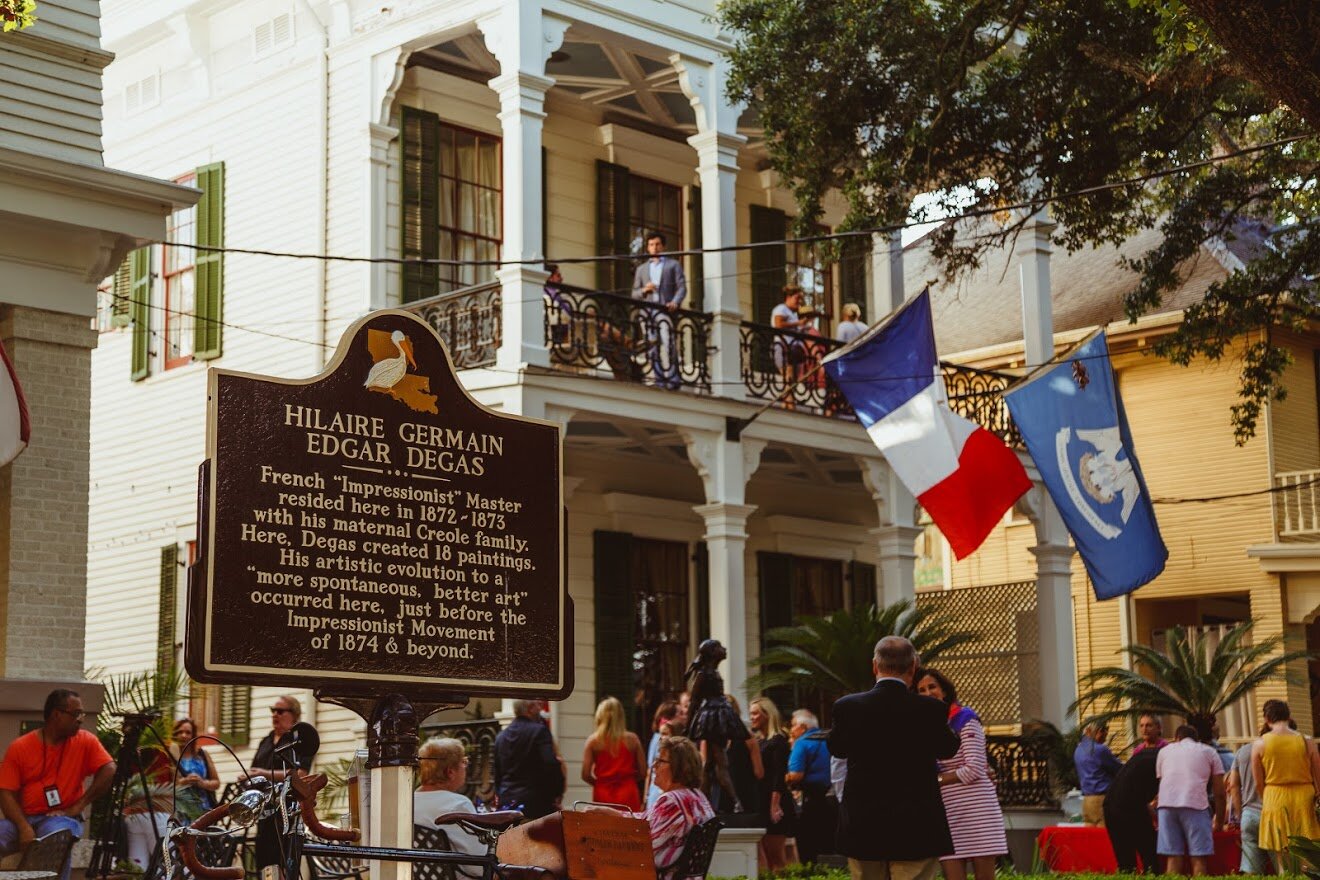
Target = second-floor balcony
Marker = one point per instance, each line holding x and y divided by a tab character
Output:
592	332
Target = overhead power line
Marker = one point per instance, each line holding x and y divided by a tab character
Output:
1030	205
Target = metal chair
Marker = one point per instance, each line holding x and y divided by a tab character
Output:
49	853
214	852
333	867
426	837
694	860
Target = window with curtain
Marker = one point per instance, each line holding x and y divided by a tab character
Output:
661	626
791	588
642	622
654	207
470	205
805	268
177	272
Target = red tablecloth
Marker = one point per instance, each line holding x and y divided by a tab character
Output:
1085	848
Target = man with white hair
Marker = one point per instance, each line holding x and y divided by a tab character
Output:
809	770
892	824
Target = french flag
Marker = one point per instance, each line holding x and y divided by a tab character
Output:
965	477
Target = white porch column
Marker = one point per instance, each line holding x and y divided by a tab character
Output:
1058	653
717	143
521	38
1033	252
897	534
887	291
380	137
725	466
1058	657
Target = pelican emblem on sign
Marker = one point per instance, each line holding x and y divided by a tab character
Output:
389	375
1103	475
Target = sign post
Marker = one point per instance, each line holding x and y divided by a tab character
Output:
377	535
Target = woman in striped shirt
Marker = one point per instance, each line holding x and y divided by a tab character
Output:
970	803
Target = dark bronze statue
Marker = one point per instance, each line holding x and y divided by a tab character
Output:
712	721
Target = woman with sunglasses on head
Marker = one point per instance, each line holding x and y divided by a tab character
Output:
286	726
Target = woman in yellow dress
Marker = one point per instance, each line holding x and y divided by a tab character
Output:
1287	767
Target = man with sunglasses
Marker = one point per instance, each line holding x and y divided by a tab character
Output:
286	726
41	777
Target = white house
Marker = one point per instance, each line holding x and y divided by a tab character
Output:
66	219
485	130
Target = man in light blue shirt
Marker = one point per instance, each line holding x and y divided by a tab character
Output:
660	280
1096	768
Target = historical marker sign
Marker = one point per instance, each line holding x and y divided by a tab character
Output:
375	528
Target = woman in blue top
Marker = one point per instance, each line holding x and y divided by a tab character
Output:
198	780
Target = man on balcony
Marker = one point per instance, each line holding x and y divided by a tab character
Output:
660	280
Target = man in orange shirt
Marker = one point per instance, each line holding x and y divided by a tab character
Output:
41	777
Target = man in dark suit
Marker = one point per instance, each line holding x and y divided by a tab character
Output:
891	823
528	773
660	280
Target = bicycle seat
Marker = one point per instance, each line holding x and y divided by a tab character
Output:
498	821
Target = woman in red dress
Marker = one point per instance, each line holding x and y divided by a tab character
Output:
613	762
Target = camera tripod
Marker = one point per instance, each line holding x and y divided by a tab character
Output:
108	818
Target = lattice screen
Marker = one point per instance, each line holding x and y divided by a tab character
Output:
998	675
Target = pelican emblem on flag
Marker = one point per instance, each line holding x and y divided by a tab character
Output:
1103	476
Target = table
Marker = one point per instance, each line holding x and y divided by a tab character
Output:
28	875
1086	849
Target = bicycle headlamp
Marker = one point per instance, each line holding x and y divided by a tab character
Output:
246	808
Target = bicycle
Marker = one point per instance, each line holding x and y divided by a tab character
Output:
293	801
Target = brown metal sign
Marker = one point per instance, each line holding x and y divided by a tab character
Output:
375	528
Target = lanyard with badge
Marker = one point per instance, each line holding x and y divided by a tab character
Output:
52	792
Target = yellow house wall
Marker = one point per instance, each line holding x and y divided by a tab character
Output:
1180	425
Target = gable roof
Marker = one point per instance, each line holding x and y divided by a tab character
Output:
984	307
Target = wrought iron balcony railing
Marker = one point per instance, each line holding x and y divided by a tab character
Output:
636	341
1021	769
468	320
780	366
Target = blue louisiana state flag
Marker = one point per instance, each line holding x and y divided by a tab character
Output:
1071	417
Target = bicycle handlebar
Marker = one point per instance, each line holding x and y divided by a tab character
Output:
320	829
188	853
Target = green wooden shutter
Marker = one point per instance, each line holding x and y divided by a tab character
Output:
612	226
210	280
121	294
139	311
169	595
768	262
236	713
775	580
861	584
697	275
701	560
421	203
613	591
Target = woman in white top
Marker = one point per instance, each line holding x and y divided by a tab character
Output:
852	325
443	769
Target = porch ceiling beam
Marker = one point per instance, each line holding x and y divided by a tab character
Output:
627	65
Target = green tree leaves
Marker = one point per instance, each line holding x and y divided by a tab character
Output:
1000	102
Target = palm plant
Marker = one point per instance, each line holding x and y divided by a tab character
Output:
832	654
135	693
1189	680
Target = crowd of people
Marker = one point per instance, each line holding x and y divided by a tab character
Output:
815	792
1170	799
